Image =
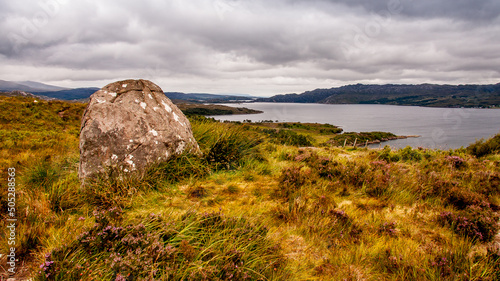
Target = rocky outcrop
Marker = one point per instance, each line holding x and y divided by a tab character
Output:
129	125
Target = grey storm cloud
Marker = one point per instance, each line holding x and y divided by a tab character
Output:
480	10
257	47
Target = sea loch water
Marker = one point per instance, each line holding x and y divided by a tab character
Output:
441	128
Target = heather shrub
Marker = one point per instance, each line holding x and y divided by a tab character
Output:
456	161
211	246
443	265
462	198
291	180
388	228
306	156
474	222
349	172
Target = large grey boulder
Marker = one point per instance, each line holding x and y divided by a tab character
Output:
129	125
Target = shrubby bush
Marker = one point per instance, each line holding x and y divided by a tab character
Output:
388	155
482	148
287	137
404	154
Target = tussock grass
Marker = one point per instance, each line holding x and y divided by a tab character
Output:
197	247
276	211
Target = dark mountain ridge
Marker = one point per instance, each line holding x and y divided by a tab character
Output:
419	95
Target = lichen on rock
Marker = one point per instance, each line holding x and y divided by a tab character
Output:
129	125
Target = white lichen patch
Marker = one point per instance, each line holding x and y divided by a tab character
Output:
100	101
143	105
180	148
136	101
131	140
176	118
150	96
113	95
154	132
155	108
114	157
167	154
124	85
167	108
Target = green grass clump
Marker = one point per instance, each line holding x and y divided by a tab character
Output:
225	146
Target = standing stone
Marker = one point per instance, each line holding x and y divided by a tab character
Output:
129	125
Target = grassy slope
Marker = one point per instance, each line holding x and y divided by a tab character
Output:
249	209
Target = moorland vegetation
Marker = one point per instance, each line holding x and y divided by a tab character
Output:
264	202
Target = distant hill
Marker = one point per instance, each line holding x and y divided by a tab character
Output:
8	86
41	86
23	94
27	86
418	95
207	98
82	94
71	94
45	90
85	93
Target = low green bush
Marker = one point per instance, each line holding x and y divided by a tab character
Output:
287	137
485	147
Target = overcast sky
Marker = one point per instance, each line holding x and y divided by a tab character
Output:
258	47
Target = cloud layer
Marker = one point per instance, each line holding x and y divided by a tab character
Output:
256	47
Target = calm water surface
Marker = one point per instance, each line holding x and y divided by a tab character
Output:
442	128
